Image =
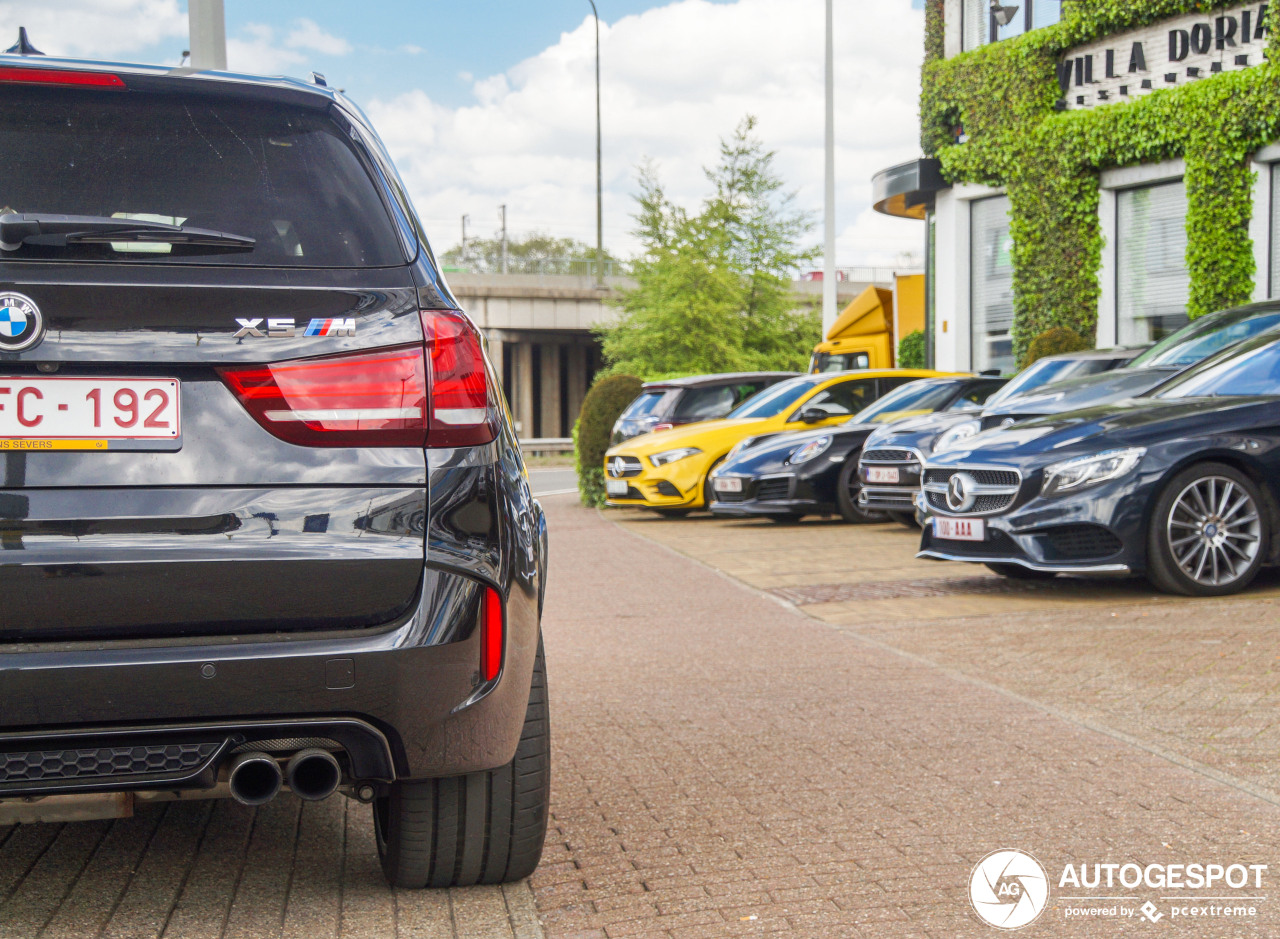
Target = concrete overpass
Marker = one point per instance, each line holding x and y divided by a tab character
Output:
540	333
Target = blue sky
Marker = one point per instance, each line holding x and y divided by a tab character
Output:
477	37
492	102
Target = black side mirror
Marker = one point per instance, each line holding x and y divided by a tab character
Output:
813	415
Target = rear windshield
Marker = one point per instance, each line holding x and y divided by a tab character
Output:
289	178
917	397
1204	336
645	404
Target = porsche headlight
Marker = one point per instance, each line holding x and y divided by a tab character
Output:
670	456
1090	470
950	438
806	452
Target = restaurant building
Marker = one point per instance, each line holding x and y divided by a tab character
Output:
1107	170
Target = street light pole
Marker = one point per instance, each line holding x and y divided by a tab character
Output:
829	259
599	162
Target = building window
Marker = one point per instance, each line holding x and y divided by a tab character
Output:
981	19
1152	283
991	285
1274	283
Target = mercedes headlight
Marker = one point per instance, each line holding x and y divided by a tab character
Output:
962	431
670	456
1090	470
805	453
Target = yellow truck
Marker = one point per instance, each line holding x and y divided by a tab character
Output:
866	334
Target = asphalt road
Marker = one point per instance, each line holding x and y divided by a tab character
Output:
553	480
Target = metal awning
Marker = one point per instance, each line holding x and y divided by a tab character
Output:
907	190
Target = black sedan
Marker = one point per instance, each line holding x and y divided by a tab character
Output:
791	475
894	454
1180	485
1191	344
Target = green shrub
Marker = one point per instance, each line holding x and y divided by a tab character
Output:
607	399
911	350
1055	341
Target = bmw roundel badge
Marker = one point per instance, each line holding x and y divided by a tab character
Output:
21	325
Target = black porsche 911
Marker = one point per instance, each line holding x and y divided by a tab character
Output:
1182	485
788	476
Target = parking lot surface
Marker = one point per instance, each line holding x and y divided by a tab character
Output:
822	744
726	764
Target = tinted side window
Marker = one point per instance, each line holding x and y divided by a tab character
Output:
848	397
288	177
975	396
704	404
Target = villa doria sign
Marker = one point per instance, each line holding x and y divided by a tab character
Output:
1165	55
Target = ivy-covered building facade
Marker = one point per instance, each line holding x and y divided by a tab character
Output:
1102	165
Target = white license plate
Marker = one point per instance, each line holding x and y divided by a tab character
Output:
90	413
727	484
959	529
882	474
615	487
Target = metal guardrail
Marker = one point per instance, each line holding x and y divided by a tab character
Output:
547	445
571	267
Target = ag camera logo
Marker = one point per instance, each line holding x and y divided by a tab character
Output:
1008	889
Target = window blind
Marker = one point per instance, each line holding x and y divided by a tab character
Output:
991	285
1152	283
975	19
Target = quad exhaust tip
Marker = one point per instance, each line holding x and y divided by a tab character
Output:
313	774
254	778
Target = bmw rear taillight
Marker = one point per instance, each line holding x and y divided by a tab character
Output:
459	381
374	399
433	394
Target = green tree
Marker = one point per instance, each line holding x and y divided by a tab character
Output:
535	253
713	289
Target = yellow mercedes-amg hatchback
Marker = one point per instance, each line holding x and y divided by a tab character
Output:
667	471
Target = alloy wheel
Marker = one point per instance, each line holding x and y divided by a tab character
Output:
1214	531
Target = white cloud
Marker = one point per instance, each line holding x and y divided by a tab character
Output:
96	29
256	49
307	34
675	79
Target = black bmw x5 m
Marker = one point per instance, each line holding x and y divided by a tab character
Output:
264	522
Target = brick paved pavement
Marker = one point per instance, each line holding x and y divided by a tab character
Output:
726	766
223	871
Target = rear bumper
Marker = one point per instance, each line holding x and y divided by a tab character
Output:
415	685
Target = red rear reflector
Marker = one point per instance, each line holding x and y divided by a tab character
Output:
491	636
459	381
371	399
60	76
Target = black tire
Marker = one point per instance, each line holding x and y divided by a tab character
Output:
904	518
1163	568
847	487
1018	572
482	828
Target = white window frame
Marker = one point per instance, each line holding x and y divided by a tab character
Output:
952	297
1111	183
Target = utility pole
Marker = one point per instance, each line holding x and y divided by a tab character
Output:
599	163
207	23
465	219
503	209
829	250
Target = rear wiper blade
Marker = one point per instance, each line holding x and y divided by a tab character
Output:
19	229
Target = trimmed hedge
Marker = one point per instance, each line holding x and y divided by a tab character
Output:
911	350
606	400
1055	341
